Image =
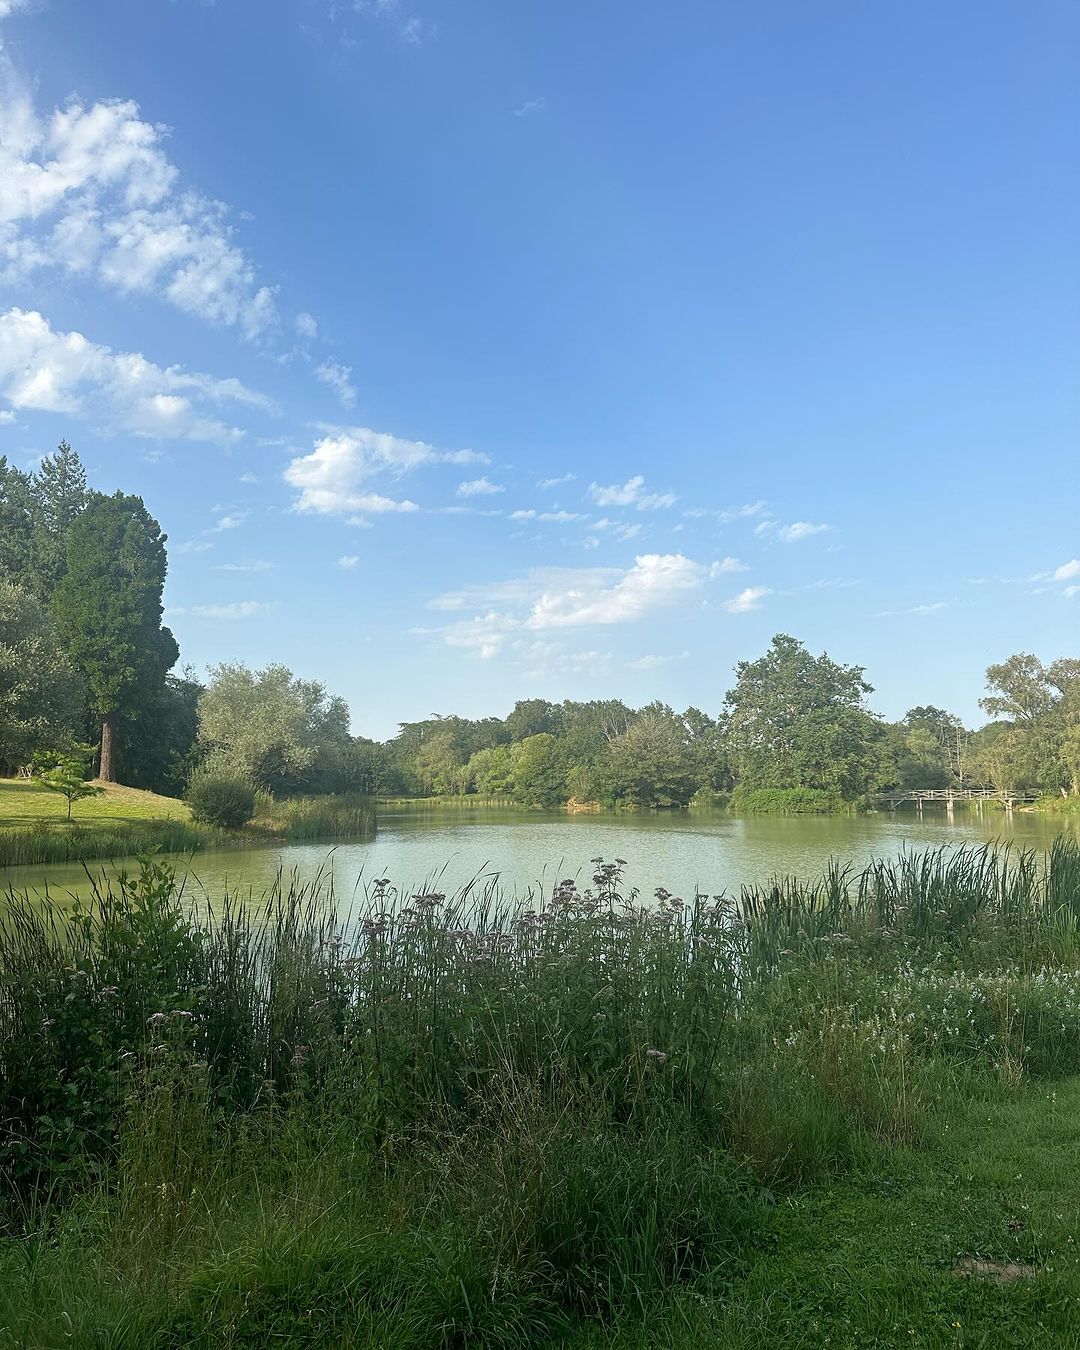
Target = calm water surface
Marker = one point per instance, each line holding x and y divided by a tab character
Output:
445	847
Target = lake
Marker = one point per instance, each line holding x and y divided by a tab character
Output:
445	846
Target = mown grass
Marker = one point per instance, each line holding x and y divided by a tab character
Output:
771	1119
128	822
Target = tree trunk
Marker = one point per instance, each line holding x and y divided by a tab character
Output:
107	766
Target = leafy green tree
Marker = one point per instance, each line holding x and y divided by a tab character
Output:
270	727
16	526
1020	690
540	772
108	609
491	771
650	765
532	717
68	778
794	720
438	768
58	497
158	738
41	694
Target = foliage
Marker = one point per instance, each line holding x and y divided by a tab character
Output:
784	801
226	801
539	773
648	765
283	733
108	608
798	721
66	776
344	816
450	1121
40	691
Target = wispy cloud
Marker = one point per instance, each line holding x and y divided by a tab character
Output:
479	487
747	600
43	370
653	662
348	562
258	565
236	609
339	379
790	534
727	514
556	482
550	517
531	107
631	493
549	599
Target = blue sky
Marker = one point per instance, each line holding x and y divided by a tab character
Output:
477	351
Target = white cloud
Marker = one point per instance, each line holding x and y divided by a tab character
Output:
619	529
630	493
236	609
9	7
654	662
933	608
747	600
307	325
330	479
728	514
259	565
91	190
349	561
552	598
6	417
556	482
47	371
1068	570
551	517
339	379
192	546
530	107
231	520
793	533
728	565
479	487
1070	591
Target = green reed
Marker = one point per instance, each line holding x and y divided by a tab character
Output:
448	1119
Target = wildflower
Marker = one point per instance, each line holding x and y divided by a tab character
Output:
659	1056
156	1019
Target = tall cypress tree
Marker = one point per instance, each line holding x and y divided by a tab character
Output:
108	607
58	492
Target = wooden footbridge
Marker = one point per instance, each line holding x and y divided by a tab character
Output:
948	797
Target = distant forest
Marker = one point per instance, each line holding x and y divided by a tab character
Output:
86	663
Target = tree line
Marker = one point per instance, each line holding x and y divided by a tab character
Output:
85	661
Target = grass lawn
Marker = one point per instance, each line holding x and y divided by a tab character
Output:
868	1261
23	803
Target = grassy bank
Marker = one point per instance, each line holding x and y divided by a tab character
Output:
775	1119
127	822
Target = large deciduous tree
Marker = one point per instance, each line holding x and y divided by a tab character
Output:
285	734
108	608
798	721
41	694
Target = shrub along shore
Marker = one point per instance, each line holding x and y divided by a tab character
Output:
448	1121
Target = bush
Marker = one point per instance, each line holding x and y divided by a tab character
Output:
785	802
225	800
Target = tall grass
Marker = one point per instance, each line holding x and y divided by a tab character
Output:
345	816
45	842
453	1119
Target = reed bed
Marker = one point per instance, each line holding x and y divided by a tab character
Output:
458	1119
44	842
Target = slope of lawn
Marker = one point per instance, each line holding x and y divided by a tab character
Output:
25	802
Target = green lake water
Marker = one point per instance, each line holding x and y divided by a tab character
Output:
444	847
